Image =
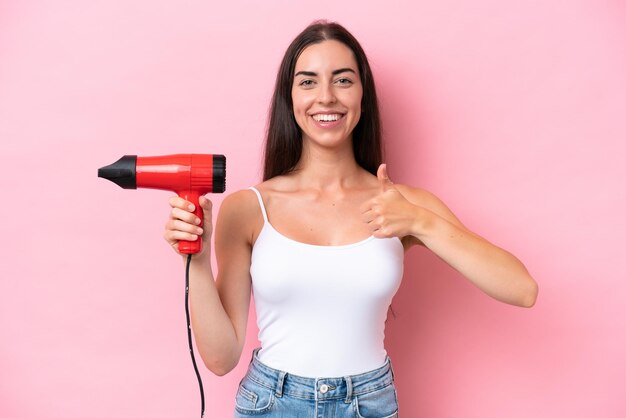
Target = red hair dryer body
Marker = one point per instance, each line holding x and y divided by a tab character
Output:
188	175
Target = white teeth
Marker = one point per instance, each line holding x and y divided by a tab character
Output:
326	118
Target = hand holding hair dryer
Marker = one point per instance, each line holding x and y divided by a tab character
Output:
188	175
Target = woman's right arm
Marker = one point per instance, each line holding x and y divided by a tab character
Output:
219	308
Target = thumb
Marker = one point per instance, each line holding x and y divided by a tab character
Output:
206	204
383	177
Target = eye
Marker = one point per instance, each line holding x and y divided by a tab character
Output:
306	83
343	81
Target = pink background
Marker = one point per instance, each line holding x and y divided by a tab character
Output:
512	112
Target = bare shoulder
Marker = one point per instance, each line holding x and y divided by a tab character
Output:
428	200
240	213
278	184
240	203
276	189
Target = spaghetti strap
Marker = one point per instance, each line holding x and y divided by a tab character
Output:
258	195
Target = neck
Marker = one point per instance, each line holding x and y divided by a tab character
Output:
327	168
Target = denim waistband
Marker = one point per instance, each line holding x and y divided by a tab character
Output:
319	388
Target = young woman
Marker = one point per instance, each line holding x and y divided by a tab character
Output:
321	243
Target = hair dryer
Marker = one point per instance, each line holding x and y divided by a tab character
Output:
189	175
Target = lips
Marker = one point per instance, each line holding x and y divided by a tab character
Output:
327	117
327	120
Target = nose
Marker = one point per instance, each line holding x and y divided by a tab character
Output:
326	93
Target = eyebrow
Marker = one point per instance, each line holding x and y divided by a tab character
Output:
335	72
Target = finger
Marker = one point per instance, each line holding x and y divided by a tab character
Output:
174	236
369	205
180	203
383	177
185	216
379	233
373	231
207	208
367	217
177	225
205	203
380	230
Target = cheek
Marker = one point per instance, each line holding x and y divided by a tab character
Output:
301	104
301	101
352	98
296	101
299	112
356	104
359	100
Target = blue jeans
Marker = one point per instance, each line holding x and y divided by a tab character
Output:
270	393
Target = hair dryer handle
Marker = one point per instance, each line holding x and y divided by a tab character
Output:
192	247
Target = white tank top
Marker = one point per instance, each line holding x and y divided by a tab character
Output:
321	310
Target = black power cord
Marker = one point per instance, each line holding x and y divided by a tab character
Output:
193	358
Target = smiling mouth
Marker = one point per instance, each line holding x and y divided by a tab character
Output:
327	117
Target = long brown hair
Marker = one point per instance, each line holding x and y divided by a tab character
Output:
283	145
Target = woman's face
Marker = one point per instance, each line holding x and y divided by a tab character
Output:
327	93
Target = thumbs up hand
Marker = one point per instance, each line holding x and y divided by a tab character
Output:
383	178
389	214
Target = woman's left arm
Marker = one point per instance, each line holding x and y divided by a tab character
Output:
406	212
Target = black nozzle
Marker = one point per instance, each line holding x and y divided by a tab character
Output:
122	172
219	173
